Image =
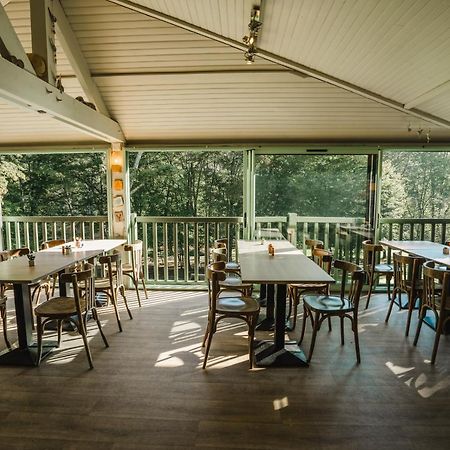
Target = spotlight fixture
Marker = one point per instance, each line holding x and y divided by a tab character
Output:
253	30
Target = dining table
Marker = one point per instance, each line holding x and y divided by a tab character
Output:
287	265
431	251
21	274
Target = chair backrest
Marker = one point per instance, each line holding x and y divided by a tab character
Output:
436	286
323	258
83	286
16	252
4	255
371	254
312	244
113	265
215	273
52	243
135	249
222	242
357	280
219	254
407	270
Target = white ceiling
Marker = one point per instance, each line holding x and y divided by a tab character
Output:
163	83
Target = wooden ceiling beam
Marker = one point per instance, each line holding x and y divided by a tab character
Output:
300	69
21	88
72	50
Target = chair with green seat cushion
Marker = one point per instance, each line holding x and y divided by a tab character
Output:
321	307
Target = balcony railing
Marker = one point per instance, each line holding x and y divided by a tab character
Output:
176	249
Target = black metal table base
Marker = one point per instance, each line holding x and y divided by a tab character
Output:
26	356
268	355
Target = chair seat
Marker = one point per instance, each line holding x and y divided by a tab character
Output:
236	305
312	286
59	306
383	268
327	304
231	265
234	282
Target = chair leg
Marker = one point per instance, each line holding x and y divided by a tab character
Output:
205	337
59	327
394	292
342	329
305	316
371	281
141	275
314	334
388	282
113	297
356	336
411	301
39	340
329	324
136	288
296	301
82	331
5	326
251	339
212	326
422	313
99	325
122	293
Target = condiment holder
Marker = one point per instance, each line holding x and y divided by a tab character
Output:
78	242
271	250
66	249
445	250
31	257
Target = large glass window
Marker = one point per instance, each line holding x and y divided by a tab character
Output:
189	184
311	185
416	185
54	184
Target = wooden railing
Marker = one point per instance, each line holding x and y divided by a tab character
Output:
176	249
31	231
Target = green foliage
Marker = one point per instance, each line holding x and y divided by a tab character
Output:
58	184
186	184
416	185
311	185
11	171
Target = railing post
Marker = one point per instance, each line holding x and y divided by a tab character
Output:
292	228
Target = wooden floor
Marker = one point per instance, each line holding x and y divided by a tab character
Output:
148	390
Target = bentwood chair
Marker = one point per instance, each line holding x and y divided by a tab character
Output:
321	307
311	245
133	269
50	244
407	280
435	298
221	248
324	259
221	307
65	308
4	319
112	284
232	281
374	269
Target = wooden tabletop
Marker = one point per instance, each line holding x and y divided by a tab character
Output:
49	261
431	251
289	265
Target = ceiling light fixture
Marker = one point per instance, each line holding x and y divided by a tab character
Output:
253	27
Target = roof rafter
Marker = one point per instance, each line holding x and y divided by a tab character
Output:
295	67
21	88
11	42
432	93
76	58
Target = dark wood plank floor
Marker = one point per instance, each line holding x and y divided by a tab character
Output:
148	390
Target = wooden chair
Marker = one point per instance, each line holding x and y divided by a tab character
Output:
50	244
435	298
324	259
112	283
133	269
312	244
407	279
232	281
221	254
321	307
4	318
221	307
374	269
65	308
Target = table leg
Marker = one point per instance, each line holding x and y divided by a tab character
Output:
267	323
279	353
23	354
